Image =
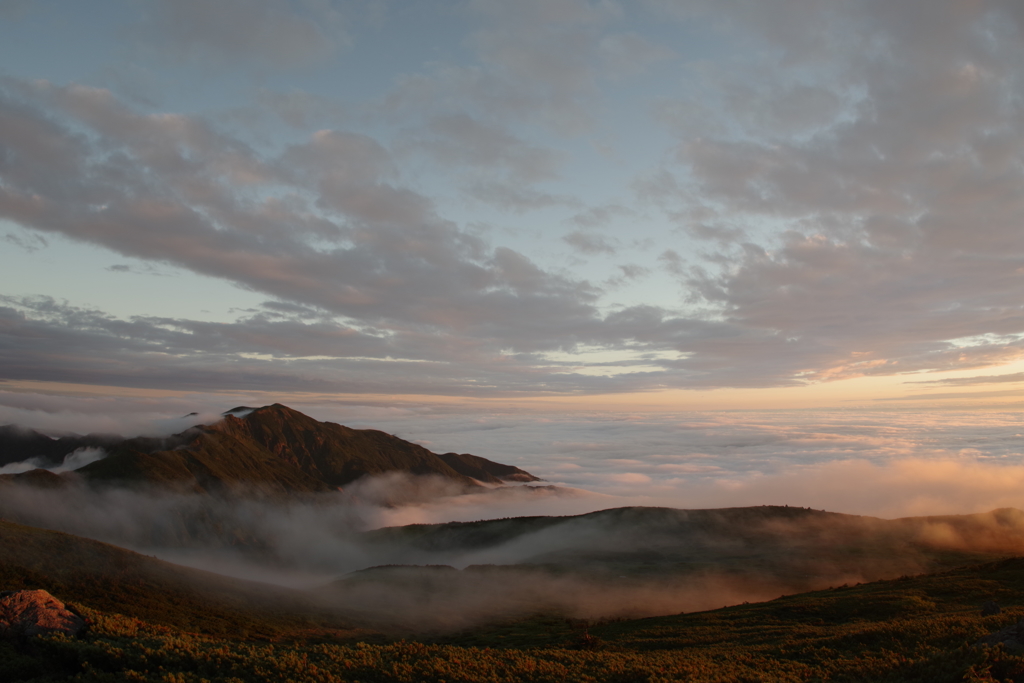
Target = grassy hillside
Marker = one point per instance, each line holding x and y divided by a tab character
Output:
19	443
103	577
796	546
153	621
275	448
918	629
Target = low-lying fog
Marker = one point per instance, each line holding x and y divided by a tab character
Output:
634	562
888	463
885	464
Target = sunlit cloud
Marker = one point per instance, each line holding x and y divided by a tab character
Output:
838	199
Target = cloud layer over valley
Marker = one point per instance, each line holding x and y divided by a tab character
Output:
882	464
628	562
887	463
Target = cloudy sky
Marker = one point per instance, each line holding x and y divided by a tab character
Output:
729	204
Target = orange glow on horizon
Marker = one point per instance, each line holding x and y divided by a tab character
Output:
885	392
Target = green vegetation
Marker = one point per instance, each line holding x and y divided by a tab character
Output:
154	621
910	629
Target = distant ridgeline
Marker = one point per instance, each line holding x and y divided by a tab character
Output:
273	448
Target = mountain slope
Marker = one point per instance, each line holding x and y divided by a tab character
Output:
916	629
104	577
18	444
277	448
798	546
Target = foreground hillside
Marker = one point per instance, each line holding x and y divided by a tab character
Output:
639	561
110	579
618	563
918	629
562	619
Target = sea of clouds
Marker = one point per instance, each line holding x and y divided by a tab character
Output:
883	462
878	462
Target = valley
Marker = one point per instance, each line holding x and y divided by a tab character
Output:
269	510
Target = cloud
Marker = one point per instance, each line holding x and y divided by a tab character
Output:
532	62
627	273
720	459
979	379
460	139
588	243
630	54
362	246
72	461
492	164
13	9
516	198
129	415
277	33
280	350
27	242
1011	394
870	195
597	216
853	175
887	463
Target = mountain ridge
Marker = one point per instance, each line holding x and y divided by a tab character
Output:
791	543
18	444
272	448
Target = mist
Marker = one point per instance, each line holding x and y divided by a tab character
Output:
889	466
443	599
74	460
630	562
125	415
249	533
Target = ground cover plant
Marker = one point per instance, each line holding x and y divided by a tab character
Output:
911	629
112	580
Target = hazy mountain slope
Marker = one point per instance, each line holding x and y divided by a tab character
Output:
19	443
108	578
917	630
485	470
277	448
37	478
796	544
332	453
633	562
205	459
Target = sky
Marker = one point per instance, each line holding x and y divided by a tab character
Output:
420	216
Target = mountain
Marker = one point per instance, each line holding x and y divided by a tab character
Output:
275	448
18	444
789	547
483	469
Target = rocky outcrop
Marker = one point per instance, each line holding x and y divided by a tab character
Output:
35	612
1011	637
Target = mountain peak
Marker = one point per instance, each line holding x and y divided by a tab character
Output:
279	448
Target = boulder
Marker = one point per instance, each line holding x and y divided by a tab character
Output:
990	608
35	612
1011	637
